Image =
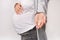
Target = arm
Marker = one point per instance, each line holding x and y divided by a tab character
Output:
42	6
40	17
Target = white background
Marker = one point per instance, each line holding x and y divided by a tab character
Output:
53	23
7	31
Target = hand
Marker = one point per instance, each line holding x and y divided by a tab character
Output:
18	8
40	20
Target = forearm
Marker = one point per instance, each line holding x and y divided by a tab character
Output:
40	16
42	7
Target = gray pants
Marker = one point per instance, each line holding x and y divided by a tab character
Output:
32	34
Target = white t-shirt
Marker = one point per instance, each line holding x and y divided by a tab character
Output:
25	21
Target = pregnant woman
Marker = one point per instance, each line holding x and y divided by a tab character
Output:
26	20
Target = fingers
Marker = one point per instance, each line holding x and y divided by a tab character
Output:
44	19
36	20
40	24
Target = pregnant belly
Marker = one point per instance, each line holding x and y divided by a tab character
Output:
25	19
